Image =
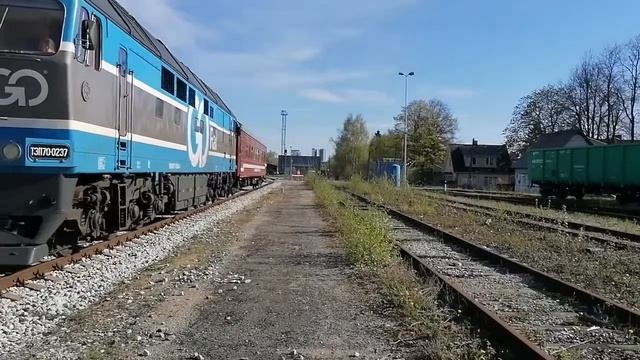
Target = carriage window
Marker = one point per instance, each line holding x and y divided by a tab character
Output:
192	97
168	81
31	28
181	90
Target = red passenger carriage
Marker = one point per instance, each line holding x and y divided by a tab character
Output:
252	160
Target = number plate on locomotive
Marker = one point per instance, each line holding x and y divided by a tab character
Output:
48	152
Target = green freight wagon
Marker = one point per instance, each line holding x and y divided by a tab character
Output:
605	169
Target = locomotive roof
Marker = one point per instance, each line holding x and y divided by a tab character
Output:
118	14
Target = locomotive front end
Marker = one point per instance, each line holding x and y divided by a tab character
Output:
36	149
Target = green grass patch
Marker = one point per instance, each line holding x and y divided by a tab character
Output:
366	237
607	270
364	234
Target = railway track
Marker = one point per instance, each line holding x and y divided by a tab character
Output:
9	279
604	235
529	312
593	207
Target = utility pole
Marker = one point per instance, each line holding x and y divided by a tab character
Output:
283	144
406	128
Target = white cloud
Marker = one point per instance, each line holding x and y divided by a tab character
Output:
166	22
346	96
321	95
263	44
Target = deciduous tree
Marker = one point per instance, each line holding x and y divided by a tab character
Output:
272	157
352	147
431	128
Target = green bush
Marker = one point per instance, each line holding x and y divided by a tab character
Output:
366	237
364	234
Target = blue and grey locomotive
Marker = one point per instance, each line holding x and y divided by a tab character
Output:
101	127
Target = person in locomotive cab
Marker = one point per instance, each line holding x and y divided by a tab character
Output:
47	46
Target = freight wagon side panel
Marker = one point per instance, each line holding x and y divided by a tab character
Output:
595	170
551	166
536	166
632	165
564	166
579	165
613	165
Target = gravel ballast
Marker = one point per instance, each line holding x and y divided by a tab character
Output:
29	320
547	319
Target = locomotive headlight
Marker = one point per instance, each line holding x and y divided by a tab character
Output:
12	151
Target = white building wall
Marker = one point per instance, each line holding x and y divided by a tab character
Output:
523	184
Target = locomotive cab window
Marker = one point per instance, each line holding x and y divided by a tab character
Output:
81	52
97	53
181	90
168	81
192	97
123	62
31	27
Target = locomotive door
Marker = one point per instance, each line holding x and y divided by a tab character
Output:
124	111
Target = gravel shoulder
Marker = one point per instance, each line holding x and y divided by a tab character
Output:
271	284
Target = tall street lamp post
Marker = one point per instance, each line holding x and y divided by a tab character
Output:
406	129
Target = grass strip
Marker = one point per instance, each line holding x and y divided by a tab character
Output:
612	272
366	237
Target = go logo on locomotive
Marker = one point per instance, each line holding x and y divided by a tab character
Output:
17	93
198	135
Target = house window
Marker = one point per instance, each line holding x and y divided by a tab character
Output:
473	161
168	81
206	107
192	97
181	90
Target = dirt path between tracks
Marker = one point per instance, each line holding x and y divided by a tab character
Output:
272	285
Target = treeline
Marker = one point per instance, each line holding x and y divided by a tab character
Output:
431	128
600	98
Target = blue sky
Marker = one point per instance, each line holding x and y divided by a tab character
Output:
324	59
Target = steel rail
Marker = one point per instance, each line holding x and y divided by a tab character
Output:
570	224
518	344
599	304
548	224
629	214
38	271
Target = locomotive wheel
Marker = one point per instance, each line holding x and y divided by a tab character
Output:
578	193
546	191
562	193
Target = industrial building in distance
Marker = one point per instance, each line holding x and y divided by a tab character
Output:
294	163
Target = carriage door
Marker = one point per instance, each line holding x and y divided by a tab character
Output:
124	111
